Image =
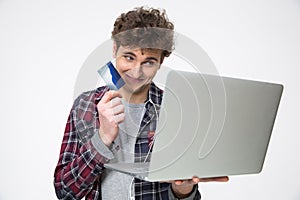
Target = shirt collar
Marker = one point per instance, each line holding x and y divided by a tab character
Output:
154	95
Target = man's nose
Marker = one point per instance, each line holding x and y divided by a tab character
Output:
136	71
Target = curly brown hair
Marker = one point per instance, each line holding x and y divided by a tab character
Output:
145	28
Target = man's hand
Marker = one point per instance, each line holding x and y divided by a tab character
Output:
111	113
183	188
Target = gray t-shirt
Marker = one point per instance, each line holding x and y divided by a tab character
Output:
116	185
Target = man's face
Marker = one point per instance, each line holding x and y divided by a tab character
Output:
137	67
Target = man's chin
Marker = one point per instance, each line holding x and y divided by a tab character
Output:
136	89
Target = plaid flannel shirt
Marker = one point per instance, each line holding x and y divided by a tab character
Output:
78	171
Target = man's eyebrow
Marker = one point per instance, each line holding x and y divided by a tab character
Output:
152	58
130	53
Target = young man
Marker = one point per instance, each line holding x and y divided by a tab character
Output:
117	126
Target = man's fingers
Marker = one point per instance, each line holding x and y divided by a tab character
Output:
116	101
196	180
216	179
119	118
178	182
118	109
188	181
110	95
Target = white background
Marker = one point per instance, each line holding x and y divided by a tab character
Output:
43	45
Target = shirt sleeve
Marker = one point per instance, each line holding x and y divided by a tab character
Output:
81	159
195	194
101	147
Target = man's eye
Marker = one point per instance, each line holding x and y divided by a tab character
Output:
128	57
150	63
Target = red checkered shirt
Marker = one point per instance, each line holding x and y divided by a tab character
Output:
80	165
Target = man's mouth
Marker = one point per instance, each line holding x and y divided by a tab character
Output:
134	80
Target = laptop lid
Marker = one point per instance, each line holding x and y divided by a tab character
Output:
212	126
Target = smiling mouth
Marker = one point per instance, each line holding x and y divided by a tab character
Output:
135	80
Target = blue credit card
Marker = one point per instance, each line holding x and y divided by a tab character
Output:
111	76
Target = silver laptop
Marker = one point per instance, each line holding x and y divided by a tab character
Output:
209	126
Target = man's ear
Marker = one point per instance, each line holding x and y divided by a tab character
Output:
161	60
114	50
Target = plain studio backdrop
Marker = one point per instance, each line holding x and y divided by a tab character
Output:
43	45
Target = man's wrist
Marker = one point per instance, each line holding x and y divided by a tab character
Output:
104	139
